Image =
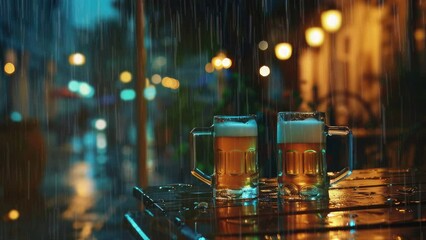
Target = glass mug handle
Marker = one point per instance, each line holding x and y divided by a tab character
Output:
342	131
195	133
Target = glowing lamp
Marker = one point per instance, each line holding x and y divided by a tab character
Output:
125	77
9	68
331	20
13	214
283	51
264	71
77	59
314	36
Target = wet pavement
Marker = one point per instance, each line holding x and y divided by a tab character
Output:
85	193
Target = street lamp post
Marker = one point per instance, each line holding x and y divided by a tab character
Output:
141	105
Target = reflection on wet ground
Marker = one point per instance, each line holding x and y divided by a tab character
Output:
370	204
86	191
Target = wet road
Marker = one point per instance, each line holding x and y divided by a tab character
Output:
85	192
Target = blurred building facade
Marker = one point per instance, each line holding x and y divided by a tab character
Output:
368	49
364	75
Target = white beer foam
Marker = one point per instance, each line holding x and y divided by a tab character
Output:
300	131
236	129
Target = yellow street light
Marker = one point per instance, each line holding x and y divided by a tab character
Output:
314	36
264	71
171	83
217	63
221	61
283	51
13	214
9	68
125	77
226	63
77	59
331	20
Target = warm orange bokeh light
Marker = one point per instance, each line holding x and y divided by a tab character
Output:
217	62
9	68
171	83
13	214
221	61
77	59
226	63
314	36
283	51
125	77
209	68
331	20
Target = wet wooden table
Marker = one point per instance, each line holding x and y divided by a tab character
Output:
370	204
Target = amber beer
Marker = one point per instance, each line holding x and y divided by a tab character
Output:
236	167
302	174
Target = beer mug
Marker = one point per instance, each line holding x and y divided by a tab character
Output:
236	172
302	163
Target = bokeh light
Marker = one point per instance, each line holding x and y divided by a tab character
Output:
77	59
263	45
9	68
331	20
16	116
283	51
221	61
419	34
314	36
125	77
73	85
156	79
159	62
101	141
13	214
86	90
264	71
209	68
217	62
226	63
150	92
100	124
171	83
127	94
